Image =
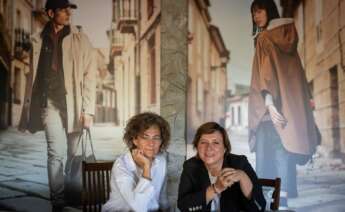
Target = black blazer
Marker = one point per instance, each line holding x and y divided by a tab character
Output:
195	180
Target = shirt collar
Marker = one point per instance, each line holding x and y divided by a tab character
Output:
48	29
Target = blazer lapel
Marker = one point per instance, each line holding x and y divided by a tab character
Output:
226	164
204	178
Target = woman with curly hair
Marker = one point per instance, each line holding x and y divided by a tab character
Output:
138	181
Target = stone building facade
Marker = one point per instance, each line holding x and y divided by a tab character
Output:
320	25
136	58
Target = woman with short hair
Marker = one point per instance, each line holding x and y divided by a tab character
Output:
215	179
138	181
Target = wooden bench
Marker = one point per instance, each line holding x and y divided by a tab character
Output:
96	185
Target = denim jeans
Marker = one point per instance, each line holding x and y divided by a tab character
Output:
53	118
272	160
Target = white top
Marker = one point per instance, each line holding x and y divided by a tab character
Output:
132	192
215	205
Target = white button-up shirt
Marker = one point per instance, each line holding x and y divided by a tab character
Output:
132	192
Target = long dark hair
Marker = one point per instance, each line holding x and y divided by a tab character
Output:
271	11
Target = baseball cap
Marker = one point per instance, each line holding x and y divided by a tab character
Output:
56	4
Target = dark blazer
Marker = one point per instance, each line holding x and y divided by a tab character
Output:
195	180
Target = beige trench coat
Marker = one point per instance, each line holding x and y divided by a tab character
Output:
79	67
277	69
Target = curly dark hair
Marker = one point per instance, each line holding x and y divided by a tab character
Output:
211	127
143	121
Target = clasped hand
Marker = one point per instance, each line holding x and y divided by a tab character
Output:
227	178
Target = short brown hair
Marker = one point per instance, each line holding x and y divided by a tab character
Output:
211	127
143	121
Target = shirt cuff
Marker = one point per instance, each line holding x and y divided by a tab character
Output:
268	99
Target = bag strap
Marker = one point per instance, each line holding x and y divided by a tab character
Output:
83	137
88	133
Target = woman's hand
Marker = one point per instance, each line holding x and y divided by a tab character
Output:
224	180
312	104
86	120
237	175
140	159
277	118
229	176
220	185
143	162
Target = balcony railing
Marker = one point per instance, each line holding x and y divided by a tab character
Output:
22	44
117	43
126	15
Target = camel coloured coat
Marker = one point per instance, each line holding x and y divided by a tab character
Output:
79	68
277	69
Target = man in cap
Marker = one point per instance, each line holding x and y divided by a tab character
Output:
61	97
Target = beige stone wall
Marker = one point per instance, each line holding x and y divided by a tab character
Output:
206	87
197	72
18	79
145	71
125	80
134	62
322	53
218	84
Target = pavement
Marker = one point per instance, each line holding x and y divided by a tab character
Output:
24	182
23	166
320	183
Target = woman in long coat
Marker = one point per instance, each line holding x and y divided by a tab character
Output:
282	129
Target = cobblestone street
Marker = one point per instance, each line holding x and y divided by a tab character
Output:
24	185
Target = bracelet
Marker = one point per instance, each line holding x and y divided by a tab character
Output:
214	189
